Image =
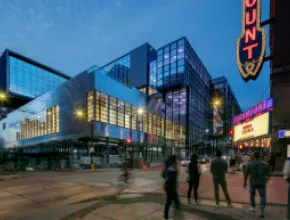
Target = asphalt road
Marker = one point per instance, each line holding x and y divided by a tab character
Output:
47	191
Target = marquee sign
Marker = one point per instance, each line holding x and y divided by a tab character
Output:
252	43
258	126
265	106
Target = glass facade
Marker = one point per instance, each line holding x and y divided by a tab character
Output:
39	124
178	65
225	107
119	70
170	64
114	111
29	80
176	103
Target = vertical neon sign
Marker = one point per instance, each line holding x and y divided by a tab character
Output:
251	44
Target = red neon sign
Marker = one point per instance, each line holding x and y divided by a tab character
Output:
252	43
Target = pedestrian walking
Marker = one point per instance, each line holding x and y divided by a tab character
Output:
272	162
219	168
286	172
233	164
170	175
194	173
245	160
258	171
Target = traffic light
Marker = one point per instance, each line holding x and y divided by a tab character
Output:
231	132
129	141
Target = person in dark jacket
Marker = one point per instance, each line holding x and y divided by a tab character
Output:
170	185
193	179
219	168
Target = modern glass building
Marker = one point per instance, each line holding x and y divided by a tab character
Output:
148	103
225	107
182	82
23	79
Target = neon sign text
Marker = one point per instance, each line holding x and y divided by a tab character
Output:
263	107
252	43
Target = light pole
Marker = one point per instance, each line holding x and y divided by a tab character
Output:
80	114
140	111
3	98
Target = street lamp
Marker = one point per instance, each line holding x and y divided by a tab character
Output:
80	114
217	102
140	111
3	96
206	130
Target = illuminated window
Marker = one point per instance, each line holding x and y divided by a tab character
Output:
104	107
145	122
128	114
90	106
134	118
40	124
113	110
121	113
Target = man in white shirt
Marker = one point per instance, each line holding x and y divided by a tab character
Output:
245	159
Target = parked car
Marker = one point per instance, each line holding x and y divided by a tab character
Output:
204	159
185	162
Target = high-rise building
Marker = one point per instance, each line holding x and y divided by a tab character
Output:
184	85
280	74
225	107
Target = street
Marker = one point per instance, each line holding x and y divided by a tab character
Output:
35	193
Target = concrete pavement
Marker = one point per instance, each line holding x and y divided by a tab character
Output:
138	206
36	193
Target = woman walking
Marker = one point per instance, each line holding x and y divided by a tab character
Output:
193	179
170	185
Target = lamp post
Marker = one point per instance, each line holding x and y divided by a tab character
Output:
140	111
80	114
3	97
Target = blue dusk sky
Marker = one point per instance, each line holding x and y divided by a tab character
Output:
72	35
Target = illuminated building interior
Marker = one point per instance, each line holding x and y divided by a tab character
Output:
39	124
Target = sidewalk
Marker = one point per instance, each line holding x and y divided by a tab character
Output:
150	207
277	189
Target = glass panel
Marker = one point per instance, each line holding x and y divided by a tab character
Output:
104	107
181	42
113	110
128	114
159	52
173	45
121	113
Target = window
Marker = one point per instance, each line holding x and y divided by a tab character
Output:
113	110
104	107
134	118
44	123
121	113
166	49
29	80
128	115
181	42
90	106
4	126
181	62
159	52
173	45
